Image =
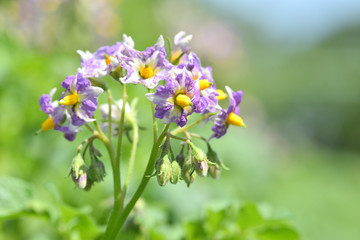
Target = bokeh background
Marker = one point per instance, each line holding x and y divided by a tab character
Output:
298	63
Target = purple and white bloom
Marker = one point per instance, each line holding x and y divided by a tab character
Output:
229	116
208	92
203	77
69	129
80	98
148	67
57	116
179	98
116	110
97	65
181	41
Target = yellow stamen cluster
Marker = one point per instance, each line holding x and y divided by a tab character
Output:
70	100
48	124
204	84
147	72
107	59
222	95
183	101
236	120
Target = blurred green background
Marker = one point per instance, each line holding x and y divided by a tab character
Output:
297	63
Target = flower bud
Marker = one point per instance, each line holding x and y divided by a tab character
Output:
79	172
215	163
199	160
175	172
180	158
163	170
214	171
187	172
97	171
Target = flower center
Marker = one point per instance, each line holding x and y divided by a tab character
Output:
70	100
147	72
183	101
221	93
204	84
48	124
107	59
236	120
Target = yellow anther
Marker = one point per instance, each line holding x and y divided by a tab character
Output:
107	59
195	76
48	124
221	93
146	72
70	100
236	120
204	84
175	55
183	101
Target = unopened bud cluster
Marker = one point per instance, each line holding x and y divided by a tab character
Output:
186	166
85	176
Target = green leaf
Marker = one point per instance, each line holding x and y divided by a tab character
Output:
78	221
168	48
214	221
194	230
249	216
277	232
15	195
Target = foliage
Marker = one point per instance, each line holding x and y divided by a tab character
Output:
23	201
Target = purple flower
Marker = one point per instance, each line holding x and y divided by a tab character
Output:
181	41
80	99
203	77
229	116
177	99
96	65
58	118
148	67
180	47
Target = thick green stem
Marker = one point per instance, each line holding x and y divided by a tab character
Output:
145	179
118	202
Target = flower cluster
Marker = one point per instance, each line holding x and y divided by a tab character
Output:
183	86
178	86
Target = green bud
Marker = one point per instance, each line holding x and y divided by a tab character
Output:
199	160
163	170
97	171
215	163
214	171
187	172
99	82
79	172
175	172
180	158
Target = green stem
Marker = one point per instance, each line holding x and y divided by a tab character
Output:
109	117
90	128
118	202
145	179
198	136
177	138
180	130
155	128
132	157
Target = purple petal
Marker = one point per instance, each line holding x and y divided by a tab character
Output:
68	82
